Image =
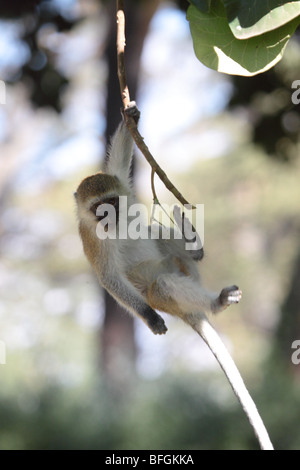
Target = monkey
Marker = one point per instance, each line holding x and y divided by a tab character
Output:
151	274
142	275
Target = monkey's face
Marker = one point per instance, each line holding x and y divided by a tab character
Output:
97	199
106	211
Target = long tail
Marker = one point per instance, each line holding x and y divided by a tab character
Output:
215	344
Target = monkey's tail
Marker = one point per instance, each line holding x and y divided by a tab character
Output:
215	344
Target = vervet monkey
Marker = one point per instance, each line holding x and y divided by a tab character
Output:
145	275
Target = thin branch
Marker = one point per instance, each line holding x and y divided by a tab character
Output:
121	41
155	198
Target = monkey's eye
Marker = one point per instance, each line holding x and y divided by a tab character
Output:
94	208
113	201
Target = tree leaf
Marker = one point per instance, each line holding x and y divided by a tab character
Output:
203	5
216	47
248	18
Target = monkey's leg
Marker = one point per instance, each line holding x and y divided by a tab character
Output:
189	296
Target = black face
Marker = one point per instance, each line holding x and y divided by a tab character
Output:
112	201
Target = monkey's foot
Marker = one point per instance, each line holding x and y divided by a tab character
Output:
133	111
229	295
157	325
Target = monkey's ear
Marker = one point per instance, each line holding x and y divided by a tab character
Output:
75	195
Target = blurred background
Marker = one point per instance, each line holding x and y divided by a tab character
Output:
80	373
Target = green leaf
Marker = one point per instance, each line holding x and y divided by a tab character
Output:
203	5
248	18
216	47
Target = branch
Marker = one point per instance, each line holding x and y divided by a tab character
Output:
129	120
121	42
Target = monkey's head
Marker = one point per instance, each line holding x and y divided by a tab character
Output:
95	191
96	186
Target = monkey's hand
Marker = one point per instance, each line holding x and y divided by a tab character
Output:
155	323
229	295
189	233
133	111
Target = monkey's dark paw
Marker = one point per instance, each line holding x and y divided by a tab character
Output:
133	111
157	326
230	295
186	228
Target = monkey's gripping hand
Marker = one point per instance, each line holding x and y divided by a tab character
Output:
189	234
229	295
133	111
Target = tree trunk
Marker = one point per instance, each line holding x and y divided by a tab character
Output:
117	335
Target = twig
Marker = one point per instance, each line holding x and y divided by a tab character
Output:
126	100
121	42
155	198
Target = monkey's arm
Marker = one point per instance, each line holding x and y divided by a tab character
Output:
129	297
121	147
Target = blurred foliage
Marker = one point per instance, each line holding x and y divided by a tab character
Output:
170	413
267	100
39	71
53	394
15	9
